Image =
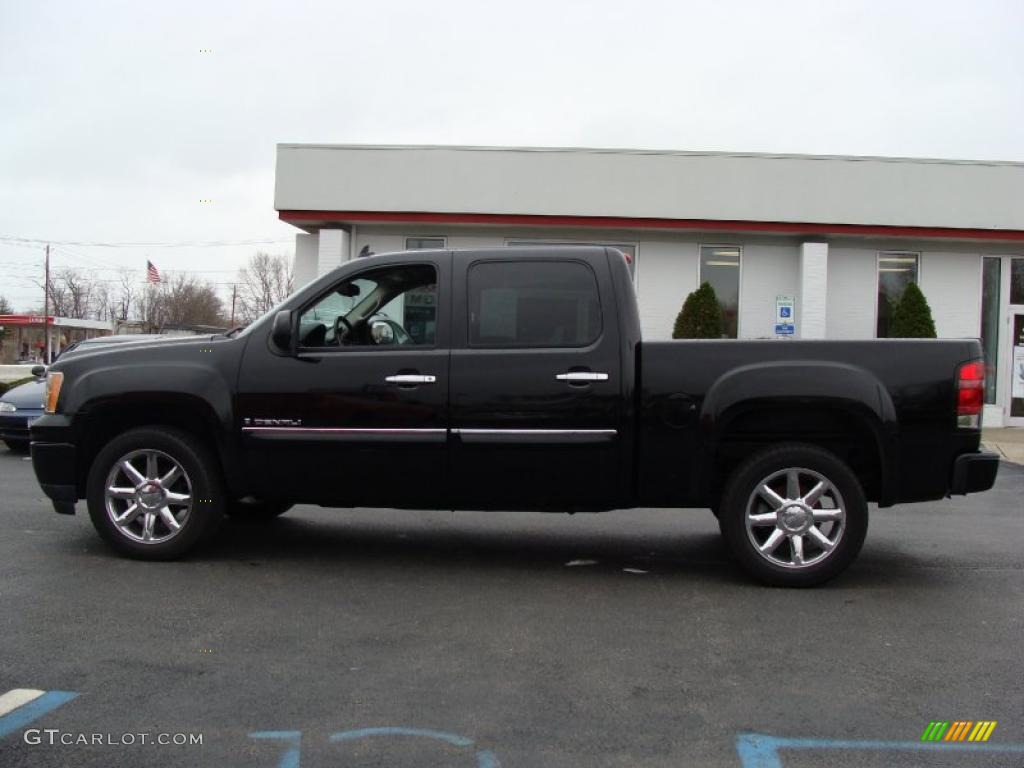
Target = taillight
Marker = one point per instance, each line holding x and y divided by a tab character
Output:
970	394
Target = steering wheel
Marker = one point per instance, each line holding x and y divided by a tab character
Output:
342	329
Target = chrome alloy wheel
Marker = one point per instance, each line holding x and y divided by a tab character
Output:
148	496
795	518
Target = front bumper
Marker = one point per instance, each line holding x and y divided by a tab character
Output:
974	472
54	465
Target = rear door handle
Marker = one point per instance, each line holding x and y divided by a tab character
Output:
411	378
582	376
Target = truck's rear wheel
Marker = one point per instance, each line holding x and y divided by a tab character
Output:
794	515
154	493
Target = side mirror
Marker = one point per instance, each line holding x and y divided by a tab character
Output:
39	371
281	333
382	333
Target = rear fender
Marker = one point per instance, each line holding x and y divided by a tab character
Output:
839	387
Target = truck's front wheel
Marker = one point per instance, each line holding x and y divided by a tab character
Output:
154	493
794	515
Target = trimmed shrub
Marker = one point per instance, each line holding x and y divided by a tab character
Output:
912	317
700	317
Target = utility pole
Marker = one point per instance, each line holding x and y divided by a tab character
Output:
234	293
46	308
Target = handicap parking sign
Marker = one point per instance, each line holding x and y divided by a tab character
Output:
785	316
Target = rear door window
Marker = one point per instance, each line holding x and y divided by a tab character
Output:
533	303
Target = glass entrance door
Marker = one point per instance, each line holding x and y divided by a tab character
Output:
1016	418
1015	390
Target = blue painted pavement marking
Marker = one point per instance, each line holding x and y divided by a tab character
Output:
487	759
293	748
362	733
18	718
758	750
484	758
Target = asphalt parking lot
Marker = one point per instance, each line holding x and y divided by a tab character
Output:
387	638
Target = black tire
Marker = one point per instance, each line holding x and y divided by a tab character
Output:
17	446
202	471
255	510
740	489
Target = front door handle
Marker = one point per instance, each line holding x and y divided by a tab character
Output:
582	376
411	378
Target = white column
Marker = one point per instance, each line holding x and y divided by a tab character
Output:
304	267
813	290
332	250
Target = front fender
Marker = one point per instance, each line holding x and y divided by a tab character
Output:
202	390
173	379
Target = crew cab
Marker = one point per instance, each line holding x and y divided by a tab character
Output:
509	379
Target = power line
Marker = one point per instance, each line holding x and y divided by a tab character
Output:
179	244
13	266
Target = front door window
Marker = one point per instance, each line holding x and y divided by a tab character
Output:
388	307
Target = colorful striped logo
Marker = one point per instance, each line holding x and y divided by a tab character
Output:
958	730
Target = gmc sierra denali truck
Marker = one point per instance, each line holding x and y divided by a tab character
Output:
513	379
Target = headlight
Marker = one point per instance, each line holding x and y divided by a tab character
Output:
54	380
7	408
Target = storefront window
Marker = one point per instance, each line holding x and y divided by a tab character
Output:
422	243
990	280
896	270
720	266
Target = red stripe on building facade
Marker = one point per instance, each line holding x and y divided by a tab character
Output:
619	222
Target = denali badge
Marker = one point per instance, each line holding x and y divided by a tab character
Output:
247	422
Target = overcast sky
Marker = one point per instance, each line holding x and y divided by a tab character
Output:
113	124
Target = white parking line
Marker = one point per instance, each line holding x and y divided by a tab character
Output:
17	698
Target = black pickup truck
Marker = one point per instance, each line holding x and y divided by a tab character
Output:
515	379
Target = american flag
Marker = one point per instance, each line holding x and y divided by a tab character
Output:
152	275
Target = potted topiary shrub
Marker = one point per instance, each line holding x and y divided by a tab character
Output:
700	317
912	317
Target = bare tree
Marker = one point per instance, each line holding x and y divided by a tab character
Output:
262	284
71	294
181	300
127	293
5	309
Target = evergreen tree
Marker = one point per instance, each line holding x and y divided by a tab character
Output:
700	317
912	317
